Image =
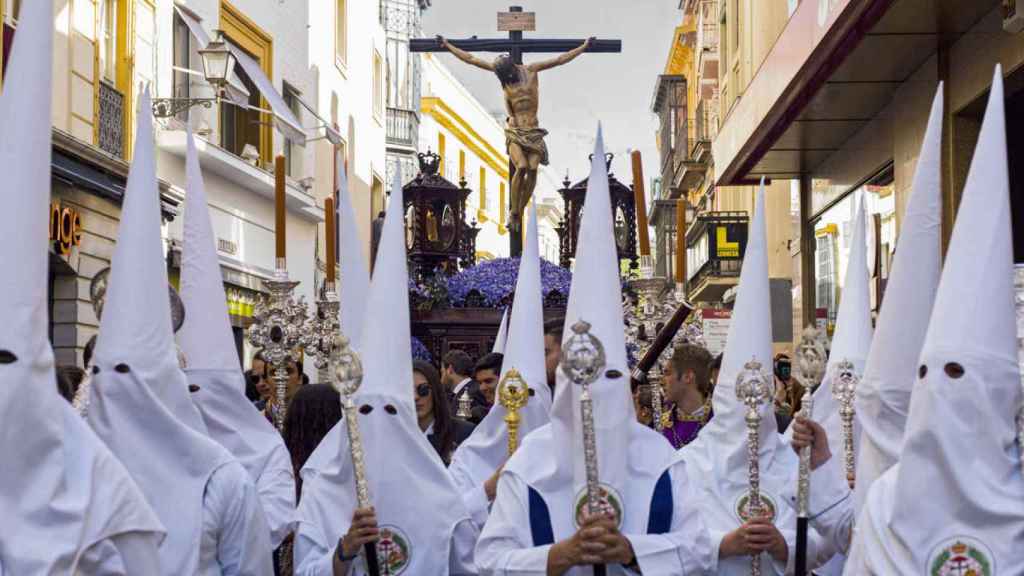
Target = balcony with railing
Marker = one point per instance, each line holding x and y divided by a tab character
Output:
111	121
715	244
673	138
403	127
706	46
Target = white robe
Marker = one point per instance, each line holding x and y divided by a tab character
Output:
831	508
235	539
719	499
315	556
506	543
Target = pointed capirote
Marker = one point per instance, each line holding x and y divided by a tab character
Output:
213	365
354	289
502	337
486	449
852	339
953	502
206	338
749	341
62	492
883	396
595	297
140	404
417	501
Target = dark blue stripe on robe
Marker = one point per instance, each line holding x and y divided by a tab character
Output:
659	519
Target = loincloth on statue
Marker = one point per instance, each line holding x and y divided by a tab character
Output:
529	139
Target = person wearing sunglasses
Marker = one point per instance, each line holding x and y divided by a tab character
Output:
444	431
296	378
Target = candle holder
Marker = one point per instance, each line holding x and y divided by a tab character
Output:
465	409
583	360
319	340
278	327
844	389
754	388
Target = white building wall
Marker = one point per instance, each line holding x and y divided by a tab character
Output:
450	110
344	97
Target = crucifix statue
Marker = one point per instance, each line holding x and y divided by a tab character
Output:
524	137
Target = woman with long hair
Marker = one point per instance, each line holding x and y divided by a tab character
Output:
444	431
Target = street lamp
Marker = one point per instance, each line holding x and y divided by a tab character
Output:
218	62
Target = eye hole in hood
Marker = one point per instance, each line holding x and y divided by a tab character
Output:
365	409
390	409
8	357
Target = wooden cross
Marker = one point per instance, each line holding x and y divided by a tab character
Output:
515	22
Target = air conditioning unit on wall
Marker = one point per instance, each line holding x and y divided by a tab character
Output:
1013	16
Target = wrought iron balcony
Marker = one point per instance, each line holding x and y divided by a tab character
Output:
403	127
111	121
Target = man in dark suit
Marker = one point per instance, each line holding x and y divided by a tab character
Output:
456	375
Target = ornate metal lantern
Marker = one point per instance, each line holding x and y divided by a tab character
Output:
437	235
623	216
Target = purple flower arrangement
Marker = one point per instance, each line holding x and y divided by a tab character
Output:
419	351
490	284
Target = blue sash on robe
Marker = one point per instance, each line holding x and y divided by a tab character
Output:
659	519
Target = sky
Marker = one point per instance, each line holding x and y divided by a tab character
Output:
615	89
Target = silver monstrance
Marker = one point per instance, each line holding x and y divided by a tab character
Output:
583	360
754	388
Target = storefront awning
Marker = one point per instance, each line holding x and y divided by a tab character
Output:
284	118
831	72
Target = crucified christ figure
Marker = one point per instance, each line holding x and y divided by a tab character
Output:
523	134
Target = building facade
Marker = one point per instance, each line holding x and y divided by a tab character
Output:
401	21
711	53
308	84
93	77
836	99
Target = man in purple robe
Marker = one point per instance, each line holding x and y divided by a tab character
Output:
687	394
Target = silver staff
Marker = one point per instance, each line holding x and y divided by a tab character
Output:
280	321
582	361
754	388
844	389
348	375
811	360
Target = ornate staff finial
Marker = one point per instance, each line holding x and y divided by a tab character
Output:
844	389
583	360
348	376
513	394
754	388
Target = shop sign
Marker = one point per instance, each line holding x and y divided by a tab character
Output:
227	246
730	240
65	228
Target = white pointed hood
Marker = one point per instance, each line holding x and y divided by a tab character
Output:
61	491
852	339
960	473
209	346
140	404
724	439
883	396
409	486
486	449
630	457
354	289
502	338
